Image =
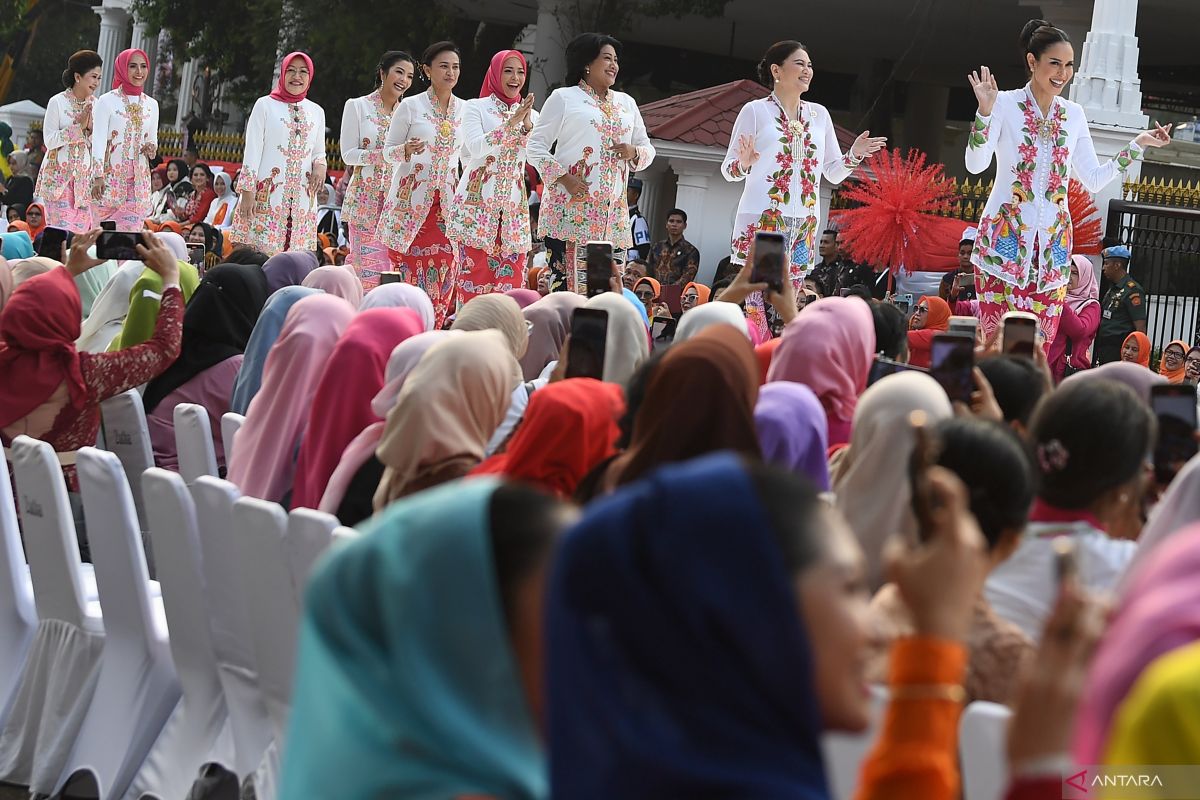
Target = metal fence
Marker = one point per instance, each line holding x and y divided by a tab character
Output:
1166	262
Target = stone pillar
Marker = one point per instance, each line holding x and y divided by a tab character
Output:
114	35
925	118
142	40
549	60
1108	87
654	186
186	80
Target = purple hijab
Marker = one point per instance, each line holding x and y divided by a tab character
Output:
288	269
793	430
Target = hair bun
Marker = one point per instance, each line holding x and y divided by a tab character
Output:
1030	29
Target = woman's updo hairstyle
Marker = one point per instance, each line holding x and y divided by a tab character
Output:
433	51
583	50
1037	36
80	63
775	56
390	59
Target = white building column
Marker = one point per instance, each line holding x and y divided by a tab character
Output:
186	80
114	37
549	60
1108	87
143	40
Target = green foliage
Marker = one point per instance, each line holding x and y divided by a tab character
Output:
12	13
57	30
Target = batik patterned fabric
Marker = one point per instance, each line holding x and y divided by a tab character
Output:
284	142
480	272
997	297
123	126
431	263
64	181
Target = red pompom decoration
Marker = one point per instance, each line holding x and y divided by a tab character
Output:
1087	227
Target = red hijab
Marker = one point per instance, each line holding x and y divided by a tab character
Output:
341	407
570	426
281	92
121	72
38	329
493	81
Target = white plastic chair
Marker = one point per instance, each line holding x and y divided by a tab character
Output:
309	534
232	635
194	442
231	423
845	752
18	615
63	664
138	688
342	534
982	735
126	434
193	735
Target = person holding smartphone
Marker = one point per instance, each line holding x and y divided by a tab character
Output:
780	147
930	317
489	218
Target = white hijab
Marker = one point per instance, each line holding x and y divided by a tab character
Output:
109	309
708	314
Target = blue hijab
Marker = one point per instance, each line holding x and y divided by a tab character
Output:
262	339
678	665
16	245
406	685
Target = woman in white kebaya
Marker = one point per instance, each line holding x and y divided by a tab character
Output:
64	181
124	139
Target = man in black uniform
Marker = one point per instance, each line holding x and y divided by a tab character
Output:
1123	310
825	273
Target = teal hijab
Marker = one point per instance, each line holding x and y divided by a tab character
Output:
16	245
406	685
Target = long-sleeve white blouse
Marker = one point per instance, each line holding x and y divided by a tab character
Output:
1029	216
418	179
583	128
490	197
121	127
68	159
365	122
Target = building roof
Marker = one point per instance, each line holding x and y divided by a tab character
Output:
706	117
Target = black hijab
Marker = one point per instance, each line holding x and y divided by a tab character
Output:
216	325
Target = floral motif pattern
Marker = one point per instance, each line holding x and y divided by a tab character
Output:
69	166
365	192
980	131
125	170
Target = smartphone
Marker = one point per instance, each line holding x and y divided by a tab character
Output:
1020	333
598	266
967	325
663	328
904	301
1175	407
52	243
390	277
952	359
119	245
196	255
1065	563
924	455
768	260
108	225
589	333
671	296
881	367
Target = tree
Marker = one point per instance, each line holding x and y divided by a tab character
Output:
47	34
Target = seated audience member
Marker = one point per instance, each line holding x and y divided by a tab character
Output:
1071	349
247	255
829	349
288	269
345	284
793	431
399	295
991	461
627	342
440	580
1173	366
549	321
694	294
1136	349
1090	485
647	291
931	317
704	317
262	339
216	328
1135	376
1017	384
220	211
891	332
776	617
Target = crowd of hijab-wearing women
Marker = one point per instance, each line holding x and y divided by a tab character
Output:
666	582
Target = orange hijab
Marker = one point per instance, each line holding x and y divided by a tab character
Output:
655	285
33	232
1177	375
531	277
1143	344
702	292
938	318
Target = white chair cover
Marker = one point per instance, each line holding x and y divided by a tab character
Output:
193	736
231	423
138	688
126	434
232	635
846	752
63	665
982	750
342	534
309	534
194	442
18	616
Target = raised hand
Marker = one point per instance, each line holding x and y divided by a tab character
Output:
983	83
1160	136
747	154
867	145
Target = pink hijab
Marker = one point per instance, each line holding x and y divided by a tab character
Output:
121	72
281	92
263	463
1088	290
829	349
341	408
493	81
406	356
338	281
524	297
6	282
1159	613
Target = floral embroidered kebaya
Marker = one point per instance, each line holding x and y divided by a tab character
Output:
1029	216
365	123
284	141
583	128
64	181
418	179
121	127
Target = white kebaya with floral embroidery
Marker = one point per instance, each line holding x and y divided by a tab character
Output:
421	176
121	127
585	129
491	198
1027	213
68	161
365	123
